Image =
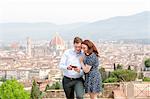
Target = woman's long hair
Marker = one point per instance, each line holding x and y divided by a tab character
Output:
91	47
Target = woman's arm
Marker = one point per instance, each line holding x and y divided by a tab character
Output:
86	68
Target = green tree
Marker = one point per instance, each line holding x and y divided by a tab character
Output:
103	74
140	76
147	63
114	66
129	67
119	66
3	79
35	91
109	74
11	89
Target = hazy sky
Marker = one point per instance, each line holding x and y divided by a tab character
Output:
68	11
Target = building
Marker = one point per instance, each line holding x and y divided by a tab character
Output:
29	47
57	45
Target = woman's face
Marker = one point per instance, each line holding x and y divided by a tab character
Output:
84	48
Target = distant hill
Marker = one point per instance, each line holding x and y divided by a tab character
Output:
121	27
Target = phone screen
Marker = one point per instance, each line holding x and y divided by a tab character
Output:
74	66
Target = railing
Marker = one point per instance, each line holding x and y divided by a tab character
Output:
142	90
136	90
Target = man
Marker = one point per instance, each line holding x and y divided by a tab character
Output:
71	67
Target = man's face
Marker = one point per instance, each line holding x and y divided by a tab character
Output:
77	47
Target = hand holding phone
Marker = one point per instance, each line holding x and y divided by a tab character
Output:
73	66
77	69
69	67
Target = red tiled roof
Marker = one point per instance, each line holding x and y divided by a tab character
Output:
57	40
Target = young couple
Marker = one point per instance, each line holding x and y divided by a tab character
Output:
81	61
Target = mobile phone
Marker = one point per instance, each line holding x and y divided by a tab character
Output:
73	66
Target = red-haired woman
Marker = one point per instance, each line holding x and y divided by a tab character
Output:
90	63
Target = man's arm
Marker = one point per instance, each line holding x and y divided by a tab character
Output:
63	61
81	72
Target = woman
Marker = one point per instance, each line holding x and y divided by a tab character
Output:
90	63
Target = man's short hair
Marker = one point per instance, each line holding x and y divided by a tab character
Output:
77	40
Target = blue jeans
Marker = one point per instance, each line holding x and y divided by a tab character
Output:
72	86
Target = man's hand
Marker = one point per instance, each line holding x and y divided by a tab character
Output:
69	67
77	69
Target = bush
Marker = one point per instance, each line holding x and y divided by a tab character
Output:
121	75
111	80
56	85
11	89
147	63
124	75
146	79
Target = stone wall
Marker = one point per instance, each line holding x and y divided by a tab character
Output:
107	92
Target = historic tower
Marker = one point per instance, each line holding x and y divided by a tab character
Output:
29	47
